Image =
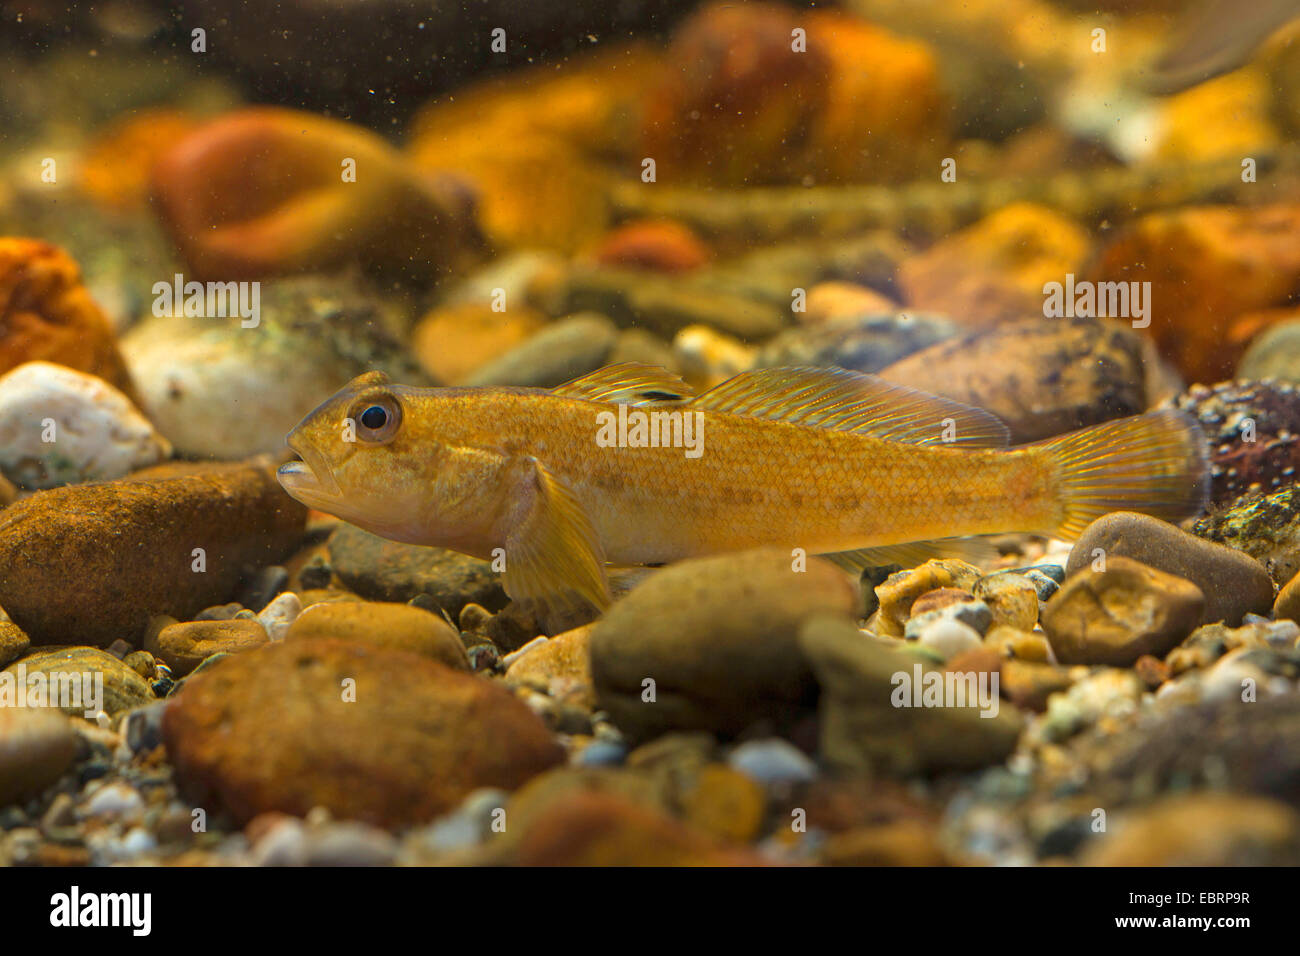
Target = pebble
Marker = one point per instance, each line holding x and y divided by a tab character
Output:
59	426
399	627
900	590
383	570
558	353
1117	615
123	688
268	583
90	564
1109	692
861	343
117	799
773	761
184	646
561	665
372	734
717	637
468	825
1232	582
945	636
1012	598
279	614
862	731
37	745
602	753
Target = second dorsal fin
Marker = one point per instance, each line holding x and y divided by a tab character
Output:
852	401
628	383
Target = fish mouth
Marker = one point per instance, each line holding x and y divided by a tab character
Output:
311	478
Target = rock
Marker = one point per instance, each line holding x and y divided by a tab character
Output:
1201	829
243	196
902	843
654	245
773	761
707	357
1251	428
13	642
383	570
92	563
398	627
1207	265
1117	615
835	300
1232	582
1275	352
863	731
278	615
716	639
1287	604
1030	685
944	635
309	334
561	351
1018	645
1266	527
36	746
900	590
994	271
1224	744
968	611
283	728
1012	598
762	111
59	426
75	676
861	343
1106	693
601	829
638	345
183	647
452	341
1207	644
1040	377
561	666
50	317
1223	118
724	803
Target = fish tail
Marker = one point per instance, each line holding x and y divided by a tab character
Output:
1157	463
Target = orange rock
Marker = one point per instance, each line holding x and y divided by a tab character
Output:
114	170
529	144
1209	267
829	301
658	246
46	314
452	341
739	104
995	270
600	829
265	191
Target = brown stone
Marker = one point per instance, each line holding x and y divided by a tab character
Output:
383	736
184	646
90	564
399	627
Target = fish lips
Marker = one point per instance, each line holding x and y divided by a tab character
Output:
311	480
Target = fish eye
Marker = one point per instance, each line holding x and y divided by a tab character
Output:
377	418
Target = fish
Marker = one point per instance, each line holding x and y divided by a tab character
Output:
1215	37
629	466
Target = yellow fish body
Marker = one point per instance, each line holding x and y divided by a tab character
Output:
626	466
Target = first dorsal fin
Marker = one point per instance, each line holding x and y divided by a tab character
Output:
852	401
628	383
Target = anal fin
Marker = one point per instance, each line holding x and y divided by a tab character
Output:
973	550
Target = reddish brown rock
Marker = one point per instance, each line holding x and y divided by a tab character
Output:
90	564
371	734
399	627
657	246
184	646
47	315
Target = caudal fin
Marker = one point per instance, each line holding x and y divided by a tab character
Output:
1157	463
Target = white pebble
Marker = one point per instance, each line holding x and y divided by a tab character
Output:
948	637
277	616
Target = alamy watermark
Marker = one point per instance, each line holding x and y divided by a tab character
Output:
209	300
656	428
83	690
1098	300
922	688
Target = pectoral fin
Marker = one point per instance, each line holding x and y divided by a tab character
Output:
553	554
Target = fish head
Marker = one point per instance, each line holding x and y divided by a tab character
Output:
362	459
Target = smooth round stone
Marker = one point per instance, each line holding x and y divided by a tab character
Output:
948	637
1013	599
87	670
1232	582
97	433
396	626
36	746
773	761
186	645
602	753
